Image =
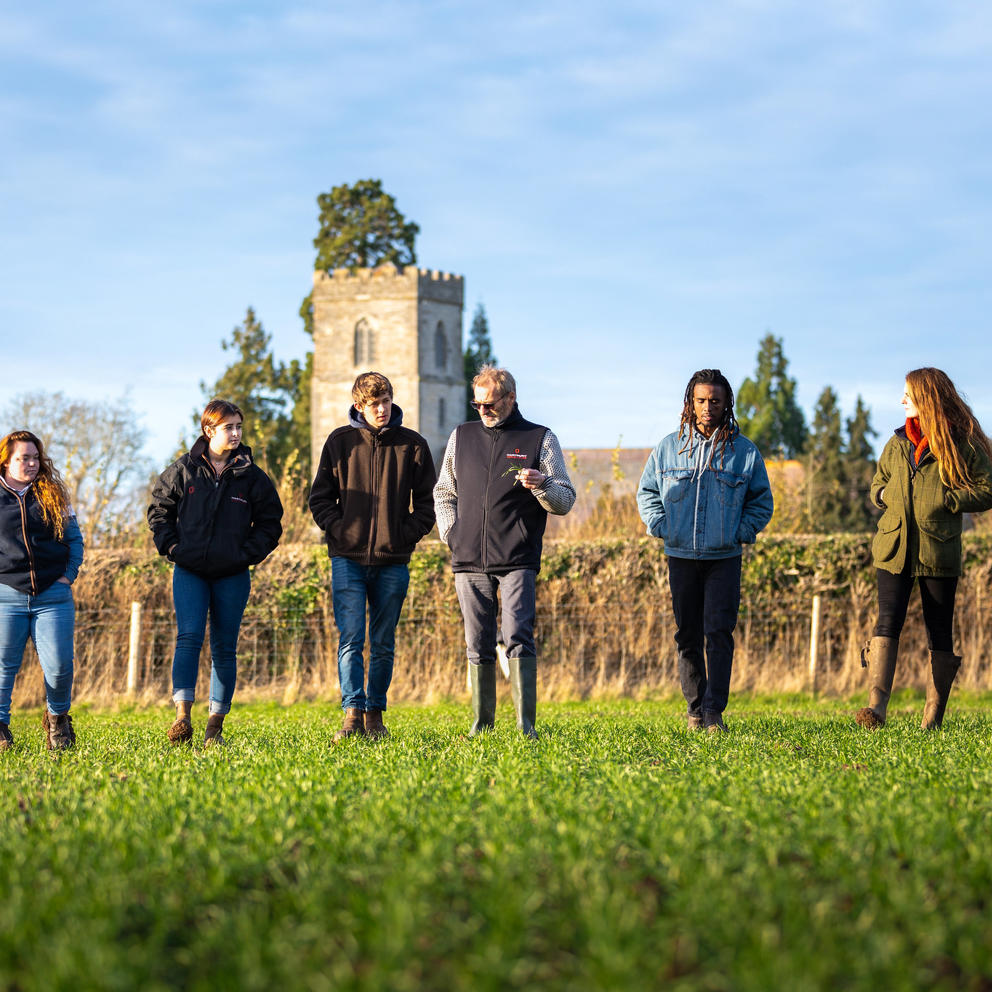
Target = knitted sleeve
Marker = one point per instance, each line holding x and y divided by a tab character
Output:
446	491
557	495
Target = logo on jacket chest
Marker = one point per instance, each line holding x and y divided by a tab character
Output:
515	455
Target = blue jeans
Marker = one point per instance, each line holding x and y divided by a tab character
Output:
383	587
706	597
49	619
225	600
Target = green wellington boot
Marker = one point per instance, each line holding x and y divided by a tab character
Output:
944	667
482	679
881	657
523	689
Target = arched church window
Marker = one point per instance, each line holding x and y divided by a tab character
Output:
364	343
440	347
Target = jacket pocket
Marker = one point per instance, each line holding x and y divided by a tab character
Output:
675	485
730	488
940	546
887	538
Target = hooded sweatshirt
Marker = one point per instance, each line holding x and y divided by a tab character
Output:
372	494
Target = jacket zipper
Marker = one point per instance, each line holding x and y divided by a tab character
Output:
27	544
375	494
485	502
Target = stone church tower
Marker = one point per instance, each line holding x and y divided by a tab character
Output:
403	322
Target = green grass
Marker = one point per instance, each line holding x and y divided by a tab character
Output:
618	852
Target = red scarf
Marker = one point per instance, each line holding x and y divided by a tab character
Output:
915	434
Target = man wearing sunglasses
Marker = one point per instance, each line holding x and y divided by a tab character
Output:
501	477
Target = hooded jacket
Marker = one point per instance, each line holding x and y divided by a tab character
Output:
921	526
215	525
702	503
372	494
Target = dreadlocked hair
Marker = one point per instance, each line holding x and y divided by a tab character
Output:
949	425
48	488
725	430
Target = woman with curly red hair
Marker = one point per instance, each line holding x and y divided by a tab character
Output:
935	467
41	549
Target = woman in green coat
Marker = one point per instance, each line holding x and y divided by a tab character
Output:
932	470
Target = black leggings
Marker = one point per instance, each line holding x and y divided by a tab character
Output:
937	597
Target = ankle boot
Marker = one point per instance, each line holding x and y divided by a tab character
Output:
59	735
353	726
523	688
944	667
482	679
374	727
881	657
212	735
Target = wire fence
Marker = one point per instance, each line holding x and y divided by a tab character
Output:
584	651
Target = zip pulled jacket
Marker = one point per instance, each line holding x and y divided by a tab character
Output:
491	523
921	526
702	503
372	492
31	557
215	525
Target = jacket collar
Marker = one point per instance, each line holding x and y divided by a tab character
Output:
240	460
514	419
355	419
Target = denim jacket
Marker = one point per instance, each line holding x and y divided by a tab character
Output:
704	503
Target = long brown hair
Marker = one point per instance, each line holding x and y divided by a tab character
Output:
948	423
48	487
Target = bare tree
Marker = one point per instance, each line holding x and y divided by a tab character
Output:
97	447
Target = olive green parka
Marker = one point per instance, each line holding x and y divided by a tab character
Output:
921	526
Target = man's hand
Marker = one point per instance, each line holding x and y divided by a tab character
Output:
530	478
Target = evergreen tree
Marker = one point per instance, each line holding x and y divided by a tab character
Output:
262	388
478	352
359	226
766	405
859	469
826	489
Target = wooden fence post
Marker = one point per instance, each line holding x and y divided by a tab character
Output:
814	641
134	645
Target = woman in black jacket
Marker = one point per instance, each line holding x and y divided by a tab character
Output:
214	513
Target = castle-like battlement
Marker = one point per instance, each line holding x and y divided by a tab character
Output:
385	281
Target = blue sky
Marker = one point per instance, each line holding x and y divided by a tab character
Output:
633	190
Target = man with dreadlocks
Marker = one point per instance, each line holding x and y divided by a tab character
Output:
705	492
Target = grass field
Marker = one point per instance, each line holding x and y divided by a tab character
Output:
618	852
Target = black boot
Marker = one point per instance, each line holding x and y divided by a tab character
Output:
944	667
523	688
482	679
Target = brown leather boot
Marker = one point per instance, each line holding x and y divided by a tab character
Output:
59	735
353	726
212	736
944	667
374	727
6	737
881	656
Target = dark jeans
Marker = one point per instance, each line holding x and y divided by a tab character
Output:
477	598
381	589
706	596
937	597
224	600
